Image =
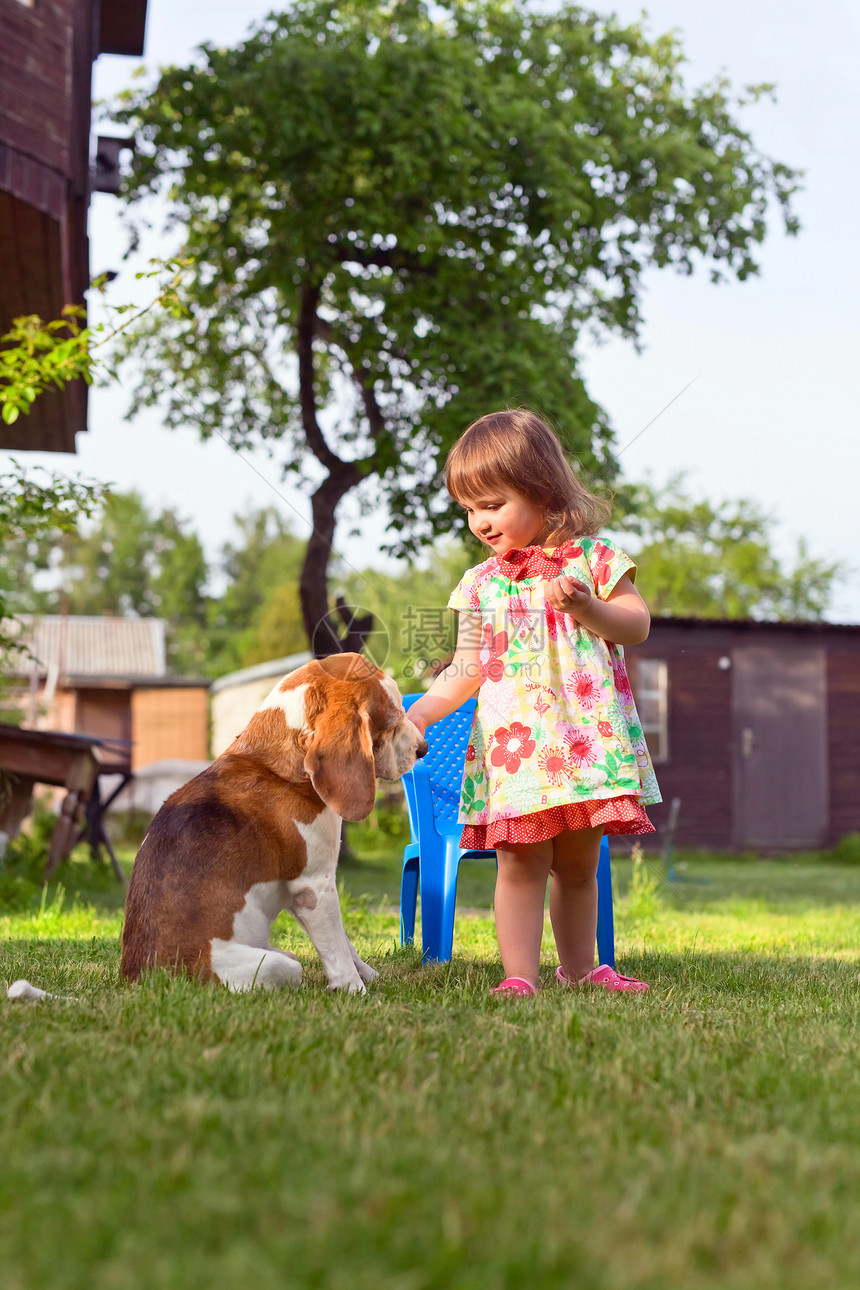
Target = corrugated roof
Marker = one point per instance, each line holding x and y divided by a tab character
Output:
78	646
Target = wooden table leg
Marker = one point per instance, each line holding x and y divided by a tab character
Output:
63	835
80	782
94	828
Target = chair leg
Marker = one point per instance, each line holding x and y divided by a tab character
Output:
408	898
438	900
605	923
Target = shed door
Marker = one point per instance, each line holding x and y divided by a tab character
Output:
104	714
779	702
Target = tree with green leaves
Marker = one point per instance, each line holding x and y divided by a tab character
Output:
38	510
38	354
258	615
137	562
123	560
402	216
412	631
130	560
32	502
717	560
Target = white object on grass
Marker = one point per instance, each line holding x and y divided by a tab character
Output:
32	994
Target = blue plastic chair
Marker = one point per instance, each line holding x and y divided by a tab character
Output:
432	858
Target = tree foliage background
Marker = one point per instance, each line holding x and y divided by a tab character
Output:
402	216
718	560
121	558
32	502
242	607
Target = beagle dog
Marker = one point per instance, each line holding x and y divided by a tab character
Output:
259	831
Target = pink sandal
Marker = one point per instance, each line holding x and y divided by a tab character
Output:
515	985
604	976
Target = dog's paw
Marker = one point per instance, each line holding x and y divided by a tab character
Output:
366	972
351	986
247	967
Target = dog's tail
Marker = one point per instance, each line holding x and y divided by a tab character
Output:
32	994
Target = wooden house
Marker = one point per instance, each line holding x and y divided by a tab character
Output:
755	726
47	49
107	677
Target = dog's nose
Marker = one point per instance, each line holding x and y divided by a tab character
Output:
421	750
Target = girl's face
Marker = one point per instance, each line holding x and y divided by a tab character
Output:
504	520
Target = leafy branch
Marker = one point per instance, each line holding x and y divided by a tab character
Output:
36	355
39	355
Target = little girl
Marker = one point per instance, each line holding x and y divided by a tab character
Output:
556	755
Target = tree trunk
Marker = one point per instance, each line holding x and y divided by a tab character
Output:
319	623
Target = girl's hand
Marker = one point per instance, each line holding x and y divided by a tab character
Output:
569	596
622	618
418	721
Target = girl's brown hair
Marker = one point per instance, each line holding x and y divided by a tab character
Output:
515	449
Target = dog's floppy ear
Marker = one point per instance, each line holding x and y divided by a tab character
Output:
339	762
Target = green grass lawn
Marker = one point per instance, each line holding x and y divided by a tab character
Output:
428	1136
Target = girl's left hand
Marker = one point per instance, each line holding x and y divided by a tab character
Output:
569	596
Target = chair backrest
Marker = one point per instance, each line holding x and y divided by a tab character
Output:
446	754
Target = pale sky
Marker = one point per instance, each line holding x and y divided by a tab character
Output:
772	413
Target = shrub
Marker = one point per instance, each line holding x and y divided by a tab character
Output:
847	850
22	864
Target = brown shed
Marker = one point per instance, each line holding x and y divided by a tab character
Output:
47	48
755	726
107	677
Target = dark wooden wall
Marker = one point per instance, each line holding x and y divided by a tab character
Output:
843	715
699	765
36	80
46	55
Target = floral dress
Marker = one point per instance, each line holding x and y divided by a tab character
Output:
556	742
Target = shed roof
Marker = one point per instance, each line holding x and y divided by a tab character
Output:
816	626
82	646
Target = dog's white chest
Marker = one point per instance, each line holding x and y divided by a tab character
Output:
322	840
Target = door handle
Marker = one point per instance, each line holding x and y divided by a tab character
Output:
747	742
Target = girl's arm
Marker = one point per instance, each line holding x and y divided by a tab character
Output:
622	619
457	683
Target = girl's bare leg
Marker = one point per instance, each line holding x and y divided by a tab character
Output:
573	898
519	904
